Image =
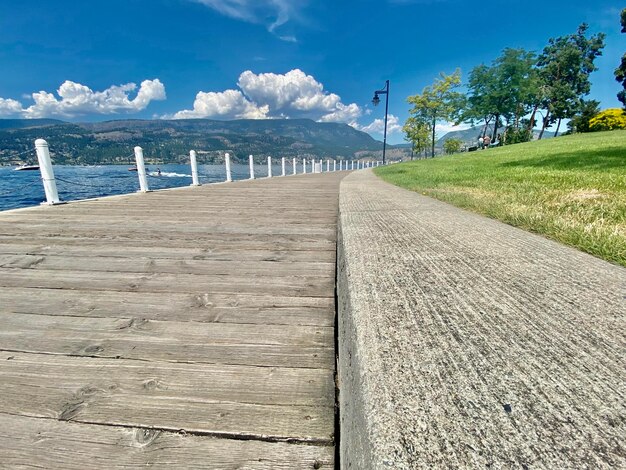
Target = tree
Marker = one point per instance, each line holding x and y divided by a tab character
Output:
452	146
417	131
438	102
620	72
564	67
507	89
580	121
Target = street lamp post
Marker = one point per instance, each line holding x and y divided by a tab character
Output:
375	101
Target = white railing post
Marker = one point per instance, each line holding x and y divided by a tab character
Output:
282	162
194	168
340	165
47	173
334	165
269	167
352	165
251	160
327	166
304	166
141	170
295	170
229	176
313	165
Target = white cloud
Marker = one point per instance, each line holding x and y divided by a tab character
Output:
10	107
378	126
75	99
343	113
271	13
229	104
269	95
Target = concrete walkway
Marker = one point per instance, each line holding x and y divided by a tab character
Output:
467	343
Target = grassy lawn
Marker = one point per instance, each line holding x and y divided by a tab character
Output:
571	189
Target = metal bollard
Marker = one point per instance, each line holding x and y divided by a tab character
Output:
47	173
304	166
295	170
282	162
194	168
269	167
141	170
334	165
251	159
229	177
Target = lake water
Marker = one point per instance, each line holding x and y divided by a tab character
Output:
24	188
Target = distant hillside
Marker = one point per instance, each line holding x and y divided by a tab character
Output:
469	137
22	123
171	140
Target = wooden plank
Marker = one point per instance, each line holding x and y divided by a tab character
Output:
191	342
174	253
199	241
159	265
279	403
158	282
209	307
51	444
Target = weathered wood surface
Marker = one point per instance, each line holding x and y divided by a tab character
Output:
188	328
108	447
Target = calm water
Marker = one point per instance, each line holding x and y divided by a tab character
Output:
24	188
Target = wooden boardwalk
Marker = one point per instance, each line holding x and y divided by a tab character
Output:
186	328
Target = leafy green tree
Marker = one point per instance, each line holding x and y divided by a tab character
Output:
478	104
417	131
438	102
580	121
505	90
620	72
452	146
564	67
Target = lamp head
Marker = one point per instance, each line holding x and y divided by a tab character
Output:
376	99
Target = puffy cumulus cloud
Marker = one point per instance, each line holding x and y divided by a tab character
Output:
10	107
378	126
271	13
270	95
344	113
292	91
75	99
229	104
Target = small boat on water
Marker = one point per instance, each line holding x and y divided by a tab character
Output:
134	168
25	167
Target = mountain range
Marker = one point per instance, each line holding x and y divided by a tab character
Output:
169	141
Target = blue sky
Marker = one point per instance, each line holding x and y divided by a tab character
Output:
114	59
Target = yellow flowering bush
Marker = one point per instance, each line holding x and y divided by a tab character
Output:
608	120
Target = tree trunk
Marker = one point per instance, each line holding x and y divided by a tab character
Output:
433	142
545	124
487	121
531	124
557	128
495	128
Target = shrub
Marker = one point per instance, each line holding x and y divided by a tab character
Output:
452	146
515	136
608	120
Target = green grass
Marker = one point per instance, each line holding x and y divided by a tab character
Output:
571	189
